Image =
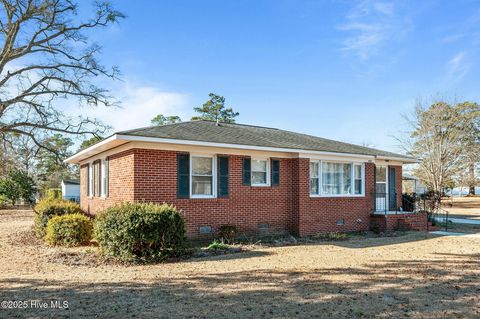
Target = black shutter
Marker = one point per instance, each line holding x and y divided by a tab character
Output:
183	175
222	175
275	172
247	171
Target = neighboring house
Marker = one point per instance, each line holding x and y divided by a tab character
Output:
412	184
71	190
259	179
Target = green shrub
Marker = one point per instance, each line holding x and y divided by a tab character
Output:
47	208
3	200
53	193
228	233
69	230
10	190
215	245
140	232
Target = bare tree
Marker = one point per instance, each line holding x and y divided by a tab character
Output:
436	138
45	61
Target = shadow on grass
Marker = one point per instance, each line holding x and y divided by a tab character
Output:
362	241
229	256
444	287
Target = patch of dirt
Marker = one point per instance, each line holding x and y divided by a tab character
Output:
24	238
77	257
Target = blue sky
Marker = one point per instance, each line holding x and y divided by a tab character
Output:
344	70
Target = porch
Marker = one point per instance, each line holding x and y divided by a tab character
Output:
392	221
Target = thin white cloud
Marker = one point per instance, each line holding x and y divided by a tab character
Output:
138	105
369	24
457	68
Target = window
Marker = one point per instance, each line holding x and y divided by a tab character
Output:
87	179
314	178
260	170
381	179
358	179
90	177
97	172
104	178
202	168
336	179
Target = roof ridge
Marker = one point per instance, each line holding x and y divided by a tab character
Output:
235	123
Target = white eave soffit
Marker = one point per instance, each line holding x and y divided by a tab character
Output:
118	139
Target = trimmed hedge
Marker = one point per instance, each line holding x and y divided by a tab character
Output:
69	230
47	208
140	232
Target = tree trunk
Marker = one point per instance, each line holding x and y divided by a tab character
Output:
471	171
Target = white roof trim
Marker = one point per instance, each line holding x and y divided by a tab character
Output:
393	158
118	139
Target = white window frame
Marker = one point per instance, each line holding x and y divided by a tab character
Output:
90	180
362	177
352	179
214	176
268	177
318	177
102	179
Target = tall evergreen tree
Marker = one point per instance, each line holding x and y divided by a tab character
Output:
215	110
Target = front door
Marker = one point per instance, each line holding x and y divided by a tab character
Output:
391	189
381	196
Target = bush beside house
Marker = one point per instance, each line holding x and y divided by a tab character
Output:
54	193
47	209
140	232
69	230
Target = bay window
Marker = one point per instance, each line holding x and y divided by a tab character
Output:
336	179
202	168
260	172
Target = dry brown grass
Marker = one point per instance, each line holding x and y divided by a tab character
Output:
416	275
463	207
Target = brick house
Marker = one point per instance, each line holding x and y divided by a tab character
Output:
262	180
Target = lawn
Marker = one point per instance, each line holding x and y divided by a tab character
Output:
415	275
463	207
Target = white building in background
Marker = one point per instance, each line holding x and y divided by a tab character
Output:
71	190
411	184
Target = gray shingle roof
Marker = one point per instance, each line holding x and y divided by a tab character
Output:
208	131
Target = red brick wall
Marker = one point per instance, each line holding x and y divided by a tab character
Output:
320	214
121	179
246	206
150	175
